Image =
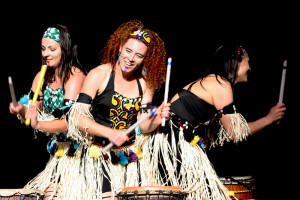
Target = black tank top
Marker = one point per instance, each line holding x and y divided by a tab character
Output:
113	110
190	107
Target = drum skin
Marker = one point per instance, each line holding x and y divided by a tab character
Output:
21	194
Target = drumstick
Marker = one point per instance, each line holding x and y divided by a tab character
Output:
12	92
167	88
38	87
282	81
131	128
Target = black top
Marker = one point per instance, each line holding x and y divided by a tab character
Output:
101	110
101	105
192	108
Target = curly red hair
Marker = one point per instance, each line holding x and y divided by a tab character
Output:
154	61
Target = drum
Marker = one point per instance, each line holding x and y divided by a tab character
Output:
21	194
152	193
240	187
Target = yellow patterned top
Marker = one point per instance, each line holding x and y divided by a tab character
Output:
123	111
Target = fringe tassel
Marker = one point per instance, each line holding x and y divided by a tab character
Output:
79	109
239	130
196	174
81	176
62	173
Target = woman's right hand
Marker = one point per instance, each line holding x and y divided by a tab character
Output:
15	109
118	137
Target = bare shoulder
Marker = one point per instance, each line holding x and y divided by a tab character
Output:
76	75
77	72
74	84
221	92
218	83
96	80
35	81
147	92
99	72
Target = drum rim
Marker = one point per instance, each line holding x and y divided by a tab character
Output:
11	192
152	188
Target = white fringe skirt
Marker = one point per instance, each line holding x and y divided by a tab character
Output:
81	176
185	165
160	163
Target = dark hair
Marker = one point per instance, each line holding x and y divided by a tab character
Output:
68	59
225	62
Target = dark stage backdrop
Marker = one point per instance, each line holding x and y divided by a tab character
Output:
190	39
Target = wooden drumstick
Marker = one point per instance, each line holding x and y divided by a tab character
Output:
167	88
37	89
12	92
282	81
284	68
131	128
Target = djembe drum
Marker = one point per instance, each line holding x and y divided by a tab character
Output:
21	194
240	187
152	193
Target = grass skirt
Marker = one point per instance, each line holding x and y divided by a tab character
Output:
187	166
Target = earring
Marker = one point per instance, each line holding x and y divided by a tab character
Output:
119	58
144	71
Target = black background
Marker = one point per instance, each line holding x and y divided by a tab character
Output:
191	33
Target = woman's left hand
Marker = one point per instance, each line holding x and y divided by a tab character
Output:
276	112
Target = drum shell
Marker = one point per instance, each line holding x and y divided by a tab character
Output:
241	187
156	192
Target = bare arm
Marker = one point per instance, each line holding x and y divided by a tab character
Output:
94	84
276	113
224	97
72	89
162	111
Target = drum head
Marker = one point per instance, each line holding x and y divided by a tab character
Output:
23	194
152	192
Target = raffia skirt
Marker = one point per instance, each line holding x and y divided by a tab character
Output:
81	176
186	165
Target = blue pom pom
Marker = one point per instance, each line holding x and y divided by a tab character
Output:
24	99
76	146
123	159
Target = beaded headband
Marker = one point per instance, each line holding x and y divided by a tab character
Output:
52	33
141	35
241	50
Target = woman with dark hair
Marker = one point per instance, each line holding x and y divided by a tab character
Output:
202	112
60	88
62	82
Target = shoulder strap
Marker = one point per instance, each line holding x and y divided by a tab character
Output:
140	86
110	84
189	88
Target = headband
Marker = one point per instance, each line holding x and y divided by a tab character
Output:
141	35
241	50
52	33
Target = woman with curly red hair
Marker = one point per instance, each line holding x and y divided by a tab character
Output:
113	96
